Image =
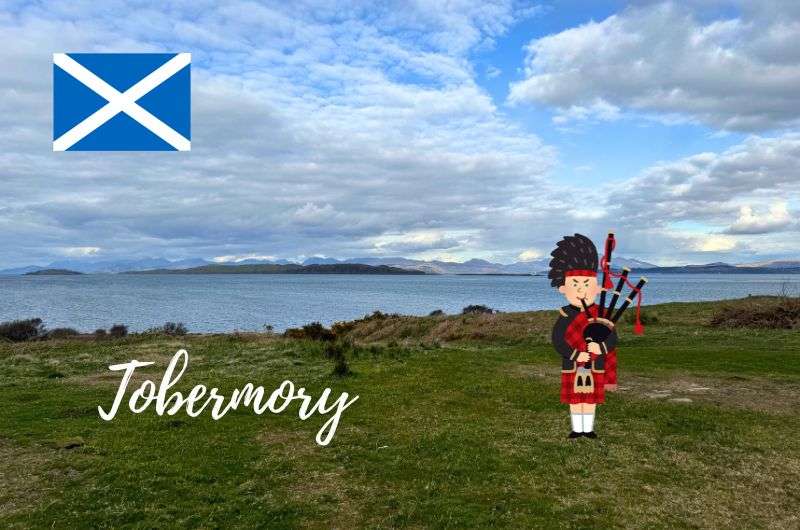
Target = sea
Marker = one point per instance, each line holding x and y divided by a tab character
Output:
223	303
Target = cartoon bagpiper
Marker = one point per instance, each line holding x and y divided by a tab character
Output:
584	334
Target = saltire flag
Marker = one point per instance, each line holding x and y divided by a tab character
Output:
121	101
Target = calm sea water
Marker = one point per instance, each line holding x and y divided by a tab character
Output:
247	302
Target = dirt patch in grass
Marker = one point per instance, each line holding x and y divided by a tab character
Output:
293	444
758	394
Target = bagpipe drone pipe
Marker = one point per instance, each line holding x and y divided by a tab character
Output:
599	327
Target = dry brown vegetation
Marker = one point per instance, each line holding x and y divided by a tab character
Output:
489	327
779	312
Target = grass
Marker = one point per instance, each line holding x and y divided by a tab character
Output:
458	425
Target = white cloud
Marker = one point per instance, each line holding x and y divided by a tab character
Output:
419	241
750	222
715	243
597	110
732	73
79	252
712	187
732	205
529	255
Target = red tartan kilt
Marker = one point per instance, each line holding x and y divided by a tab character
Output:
570	397
611	368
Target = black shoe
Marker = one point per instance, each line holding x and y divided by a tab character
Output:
590	434
574	434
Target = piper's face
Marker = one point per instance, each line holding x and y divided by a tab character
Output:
577	288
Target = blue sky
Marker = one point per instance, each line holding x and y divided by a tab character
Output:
424	129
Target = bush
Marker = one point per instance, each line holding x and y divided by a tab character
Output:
477	309
341	329
179	329
22	330
646	317
781	313
62	333
436	313
337	351
117	331
100	333
313	331
170	328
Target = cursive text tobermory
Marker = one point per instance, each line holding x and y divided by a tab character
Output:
199	398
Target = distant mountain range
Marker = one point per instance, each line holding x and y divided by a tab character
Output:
293	268
110	266
473	266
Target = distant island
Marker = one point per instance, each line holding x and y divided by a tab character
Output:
722	268
339	268
53	272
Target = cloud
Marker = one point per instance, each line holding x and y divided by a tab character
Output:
315	131
732	205
735	73
418	242
76	252
713	187
714	243
353	130
597	110
529	255
749	222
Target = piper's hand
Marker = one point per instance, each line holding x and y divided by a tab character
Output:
583	357
594	348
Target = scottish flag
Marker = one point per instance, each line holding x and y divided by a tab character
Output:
121	101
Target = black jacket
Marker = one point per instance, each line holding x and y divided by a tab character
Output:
567	352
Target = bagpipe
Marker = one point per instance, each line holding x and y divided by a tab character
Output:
600	326
603	324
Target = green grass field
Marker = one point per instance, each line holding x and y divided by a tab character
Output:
458	425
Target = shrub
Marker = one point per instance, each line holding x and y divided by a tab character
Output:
117	331
22	330
646	317
313	331
337	351
62	333
340	329
169	328
477	309
436	313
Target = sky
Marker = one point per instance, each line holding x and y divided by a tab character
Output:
432	130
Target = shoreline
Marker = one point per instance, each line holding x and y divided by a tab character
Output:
158	330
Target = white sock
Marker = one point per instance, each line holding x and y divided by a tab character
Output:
577	424
588	422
